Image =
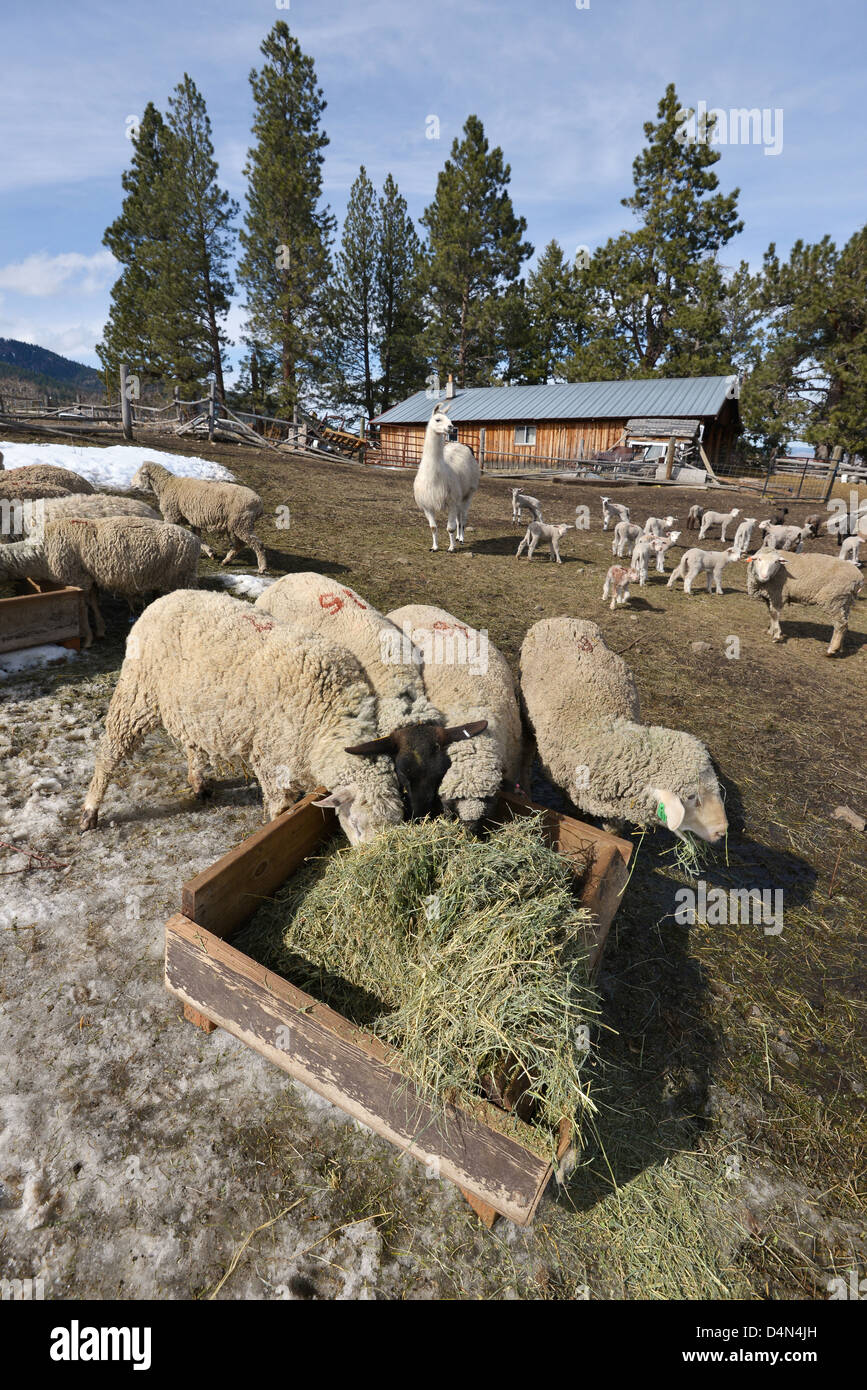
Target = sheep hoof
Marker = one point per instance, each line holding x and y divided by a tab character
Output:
88	821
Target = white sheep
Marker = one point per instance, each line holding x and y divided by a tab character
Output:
224	508
231	684
708	562
648	548
50	474
34	514
744	536
541	531
626	533
617	582
661	546
583	709
523	501
782	537
850	549
779	577
470	681
658	525
693	520
721	519
125	555
613	511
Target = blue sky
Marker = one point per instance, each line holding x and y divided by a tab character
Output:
564	91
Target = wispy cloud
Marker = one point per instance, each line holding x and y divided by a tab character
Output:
43	275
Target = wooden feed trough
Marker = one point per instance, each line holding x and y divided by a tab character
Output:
31	620
498	1171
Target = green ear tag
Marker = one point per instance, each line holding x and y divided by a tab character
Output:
660	812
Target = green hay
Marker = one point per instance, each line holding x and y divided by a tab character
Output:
466	955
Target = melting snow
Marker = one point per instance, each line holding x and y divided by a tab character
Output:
110	467
31	658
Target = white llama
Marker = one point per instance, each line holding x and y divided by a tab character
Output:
447	477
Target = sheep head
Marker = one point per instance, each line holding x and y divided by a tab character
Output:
701	812
765	566
420	759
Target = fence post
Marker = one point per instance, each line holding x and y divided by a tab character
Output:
482	448
771	461
836	459
212	408
125	405
669	456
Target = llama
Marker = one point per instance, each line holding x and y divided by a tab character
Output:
447	477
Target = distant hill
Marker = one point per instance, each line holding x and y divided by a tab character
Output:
25	362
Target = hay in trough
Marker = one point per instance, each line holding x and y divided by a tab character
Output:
466	955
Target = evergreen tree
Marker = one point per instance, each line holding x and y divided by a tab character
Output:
285	240
475	253
556	311
397	299
353	296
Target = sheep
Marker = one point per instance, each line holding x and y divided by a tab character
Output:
708	562
126	555
640	562
850	549
661	545
779	517
410	727
227	683
625	536
611	511
33	517
693	520
22	491
779	578
549	535
583	709
721	519
744	536
617	582
48	475
782	537
657	525
225	508
812	524
524	500
468	696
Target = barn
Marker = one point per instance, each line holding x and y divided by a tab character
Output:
515	427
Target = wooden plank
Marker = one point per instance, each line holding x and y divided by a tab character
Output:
193	1016
351	1069
31	620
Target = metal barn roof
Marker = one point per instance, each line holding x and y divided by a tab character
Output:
669	397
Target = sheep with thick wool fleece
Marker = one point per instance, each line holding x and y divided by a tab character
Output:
224	508
47	474
34	515
125	555
318	604
583	708
229	683
478	686
721	519
780	577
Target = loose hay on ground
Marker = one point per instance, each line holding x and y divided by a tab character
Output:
467	955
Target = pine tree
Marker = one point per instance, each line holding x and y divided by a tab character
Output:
475	253
556	311
397	299
286	236
352	298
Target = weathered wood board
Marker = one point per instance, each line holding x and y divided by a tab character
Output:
31	620
498	1171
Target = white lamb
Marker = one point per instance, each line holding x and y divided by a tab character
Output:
782	537
583	709
613	511
230	684
625	536
224	508
851	549
744	536
616	585
658	525
648	548
721	519
523	501
470	681
541	531
695	562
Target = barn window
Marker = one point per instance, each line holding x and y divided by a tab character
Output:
525	434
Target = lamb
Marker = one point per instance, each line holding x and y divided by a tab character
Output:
625	536
447	476
549	535
126	555
744	536
782	537
812	524
640	562
708	562
227	683
721	519
779	578
224	508
657	525
468	696
613	511
661	545
693	520
779	517
410	728
523	500
850	549
617	582
49	475
583	709
34	516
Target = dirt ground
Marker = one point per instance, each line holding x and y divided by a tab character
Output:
139	1158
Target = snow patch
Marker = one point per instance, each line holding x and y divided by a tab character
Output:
114	466
245	585
31	658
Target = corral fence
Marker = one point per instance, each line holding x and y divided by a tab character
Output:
784	476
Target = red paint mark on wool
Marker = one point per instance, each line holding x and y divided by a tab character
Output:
259	624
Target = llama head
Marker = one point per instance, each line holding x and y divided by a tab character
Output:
440	423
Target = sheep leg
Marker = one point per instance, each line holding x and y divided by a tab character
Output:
534	541
841	627
206	549
521	548
197	763
555	549
675	575
130	716
775	630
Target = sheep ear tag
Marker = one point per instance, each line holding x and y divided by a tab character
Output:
660	813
